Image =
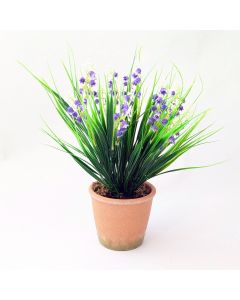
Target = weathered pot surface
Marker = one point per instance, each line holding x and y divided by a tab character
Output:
121	223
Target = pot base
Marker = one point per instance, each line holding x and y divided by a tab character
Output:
121	246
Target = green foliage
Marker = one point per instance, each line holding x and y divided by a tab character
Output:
122	157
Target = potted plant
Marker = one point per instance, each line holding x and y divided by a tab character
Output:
125	137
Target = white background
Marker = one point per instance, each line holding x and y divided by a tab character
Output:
46	220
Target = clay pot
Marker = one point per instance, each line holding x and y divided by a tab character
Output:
121	223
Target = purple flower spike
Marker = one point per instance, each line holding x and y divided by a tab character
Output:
77	102
154	107
151	121
70	110
137	81
127	98
138	71
110	83
82	80
124	108
164	121
116	116
154	128
125	78
79	119
163	91
115	74
171	139
173	93
92	82
75	114
92	74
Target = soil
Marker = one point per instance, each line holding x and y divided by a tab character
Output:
141	191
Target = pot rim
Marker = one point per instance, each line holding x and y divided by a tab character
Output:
128	201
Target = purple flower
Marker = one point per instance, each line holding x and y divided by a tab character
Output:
94	93
137	81
124	108
82	80
154	97
96	100
177	134
164	106
116	116
75	114
154	128
156	116
92	74
125	78
134	75
163	91
124	124
77	102
125	83
92	82
70	110
110	83
151	120
181	107
171	139
79	119
164	121
121	131
85	101
127	98
154	107
115	74
138	71
173	93
81	91
159	100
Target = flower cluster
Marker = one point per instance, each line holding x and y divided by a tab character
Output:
130	92
164	104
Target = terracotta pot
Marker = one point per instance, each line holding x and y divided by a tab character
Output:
121	223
